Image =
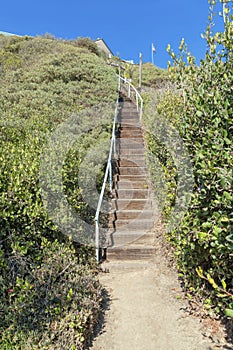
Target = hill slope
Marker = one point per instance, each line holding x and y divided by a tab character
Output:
50	296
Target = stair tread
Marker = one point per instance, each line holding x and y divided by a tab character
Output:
136	247
137	235
132	199
135	221
139	190
131	211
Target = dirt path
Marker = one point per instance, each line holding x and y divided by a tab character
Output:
145	311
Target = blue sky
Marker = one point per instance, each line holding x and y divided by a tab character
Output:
128	27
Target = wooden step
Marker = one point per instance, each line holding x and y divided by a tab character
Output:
135	136
130	122
132	204
130	128
128	106
132	224
131	145
129	177
126	102
138	170
132	184
133	157
131	252
131	214
125	112
130	133
130	139
141	162
122	238
126	150
132	193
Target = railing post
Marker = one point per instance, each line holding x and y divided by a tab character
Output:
114	146
110	175
97	253
119	82
141	109
128	90
137	101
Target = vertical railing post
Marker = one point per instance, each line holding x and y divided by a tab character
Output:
110	175
141	109
119	81
137	101
114	146
97	233
128	90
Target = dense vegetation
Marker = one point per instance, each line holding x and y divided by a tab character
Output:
49	294
200	108
152	76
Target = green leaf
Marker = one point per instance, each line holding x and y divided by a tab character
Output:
199	271
212	281
199	113
228	312
224	219
224	284
227	195
217	230
69	295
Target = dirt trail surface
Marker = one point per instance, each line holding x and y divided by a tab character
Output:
145	311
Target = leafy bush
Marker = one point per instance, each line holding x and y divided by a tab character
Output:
204	238
88	44
54	305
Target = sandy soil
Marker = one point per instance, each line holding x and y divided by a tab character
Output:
146	311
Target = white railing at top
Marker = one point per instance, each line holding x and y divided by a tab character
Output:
131	90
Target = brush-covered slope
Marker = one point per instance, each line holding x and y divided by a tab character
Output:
50	297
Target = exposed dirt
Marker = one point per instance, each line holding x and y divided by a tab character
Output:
146	310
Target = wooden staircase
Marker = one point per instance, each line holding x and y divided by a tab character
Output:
132	216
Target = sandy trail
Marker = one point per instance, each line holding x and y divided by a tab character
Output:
145	311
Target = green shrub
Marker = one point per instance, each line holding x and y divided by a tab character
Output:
204	238
88	44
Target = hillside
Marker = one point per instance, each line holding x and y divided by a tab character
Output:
50	296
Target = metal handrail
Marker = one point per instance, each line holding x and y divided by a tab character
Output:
137	96
108	171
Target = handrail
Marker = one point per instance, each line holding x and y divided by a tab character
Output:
137	95
108	171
